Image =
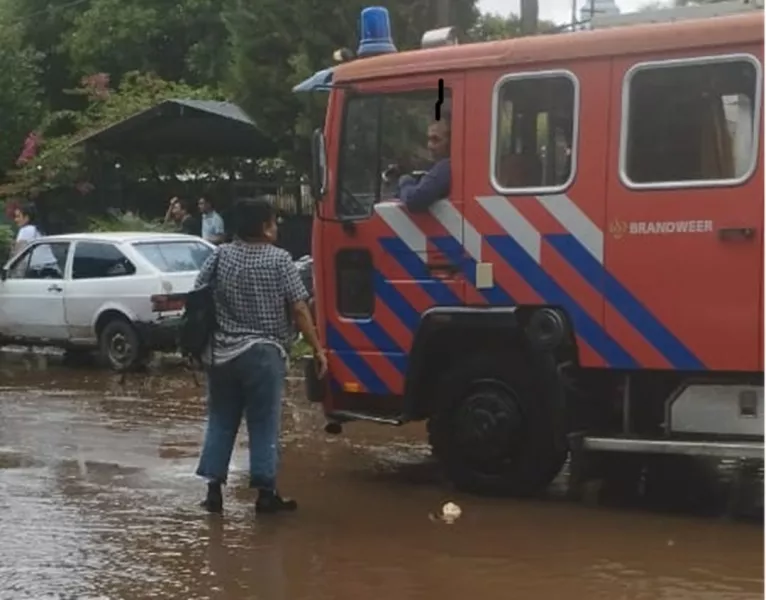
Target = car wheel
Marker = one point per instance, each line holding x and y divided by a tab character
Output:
499	427
120	345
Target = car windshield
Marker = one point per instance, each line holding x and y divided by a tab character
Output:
174	257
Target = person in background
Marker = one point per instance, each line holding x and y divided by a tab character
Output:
212	224
253	281
178	213
25	218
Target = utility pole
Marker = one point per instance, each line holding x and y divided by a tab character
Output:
442	13
529	15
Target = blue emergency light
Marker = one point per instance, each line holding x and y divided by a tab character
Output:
375	32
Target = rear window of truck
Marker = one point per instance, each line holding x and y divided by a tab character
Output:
174	257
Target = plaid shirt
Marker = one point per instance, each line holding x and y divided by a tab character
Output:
255	284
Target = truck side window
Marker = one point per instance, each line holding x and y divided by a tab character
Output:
535	135
690	121
379	131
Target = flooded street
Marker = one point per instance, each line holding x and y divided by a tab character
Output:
98	500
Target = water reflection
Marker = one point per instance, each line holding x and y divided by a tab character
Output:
97	499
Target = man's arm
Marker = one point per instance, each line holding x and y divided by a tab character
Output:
296	296
433	186
168	215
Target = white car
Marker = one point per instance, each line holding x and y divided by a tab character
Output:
119	292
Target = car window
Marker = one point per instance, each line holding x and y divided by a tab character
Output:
41	261
96	260
175	257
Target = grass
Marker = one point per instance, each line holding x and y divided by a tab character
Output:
300	349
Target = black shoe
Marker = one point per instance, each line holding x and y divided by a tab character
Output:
213	502
272	502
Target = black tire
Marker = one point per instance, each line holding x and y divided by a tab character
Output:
499	424
120	345
78	357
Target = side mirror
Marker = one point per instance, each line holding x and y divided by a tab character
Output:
318	166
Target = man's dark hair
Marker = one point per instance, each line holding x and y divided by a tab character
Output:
29	210
207	196
251	216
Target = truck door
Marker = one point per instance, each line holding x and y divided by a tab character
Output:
382	264
685	211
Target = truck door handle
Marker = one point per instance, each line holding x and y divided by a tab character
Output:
733	234
442	268
55	288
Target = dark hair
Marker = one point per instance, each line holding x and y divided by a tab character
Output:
182	204
251	216
29	210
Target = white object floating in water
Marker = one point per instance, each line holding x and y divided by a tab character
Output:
451	512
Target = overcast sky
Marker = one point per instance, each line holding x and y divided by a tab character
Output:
559	11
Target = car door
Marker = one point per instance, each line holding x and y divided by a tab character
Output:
32	294
102	276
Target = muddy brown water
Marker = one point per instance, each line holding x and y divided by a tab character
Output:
98	500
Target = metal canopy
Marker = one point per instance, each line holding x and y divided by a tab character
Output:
321	81
202	128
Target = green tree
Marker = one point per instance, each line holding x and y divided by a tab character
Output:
490	27
275	44
20	105
42	25
61	161
178	40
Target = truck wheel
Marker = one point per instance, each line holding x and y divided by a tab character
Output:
499	427
120	345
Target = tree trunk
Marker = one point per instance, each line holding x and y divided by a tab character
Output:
529	16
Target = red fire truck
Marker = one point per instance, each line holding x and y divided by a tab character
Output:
597	268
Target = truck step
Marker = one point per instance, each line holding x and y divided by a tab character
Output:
345	416
720	449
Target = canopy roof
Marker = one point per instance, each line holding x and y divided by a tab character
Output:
204	128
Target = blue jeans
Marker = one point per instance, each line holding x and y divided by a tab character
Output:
252	383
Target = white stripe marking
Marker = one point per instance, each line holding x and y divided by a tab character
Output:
514	223
395	217
458	227
576	222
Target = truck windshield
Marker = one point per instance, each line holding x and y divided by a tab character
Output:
379	131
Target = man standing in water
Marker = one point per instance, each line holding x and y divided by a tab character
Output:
253	281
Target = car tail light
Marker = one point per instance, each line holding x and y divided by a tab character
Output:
167	302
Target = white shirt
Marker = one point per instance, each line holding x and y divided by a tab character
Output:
27	234
42	256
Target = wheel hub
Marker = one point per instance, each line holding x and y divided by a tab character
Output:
489	423
120	346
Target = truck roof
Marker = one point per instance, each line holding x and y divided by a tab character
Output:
700	34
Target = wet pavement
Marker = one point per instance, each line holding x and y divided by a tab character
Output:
98	500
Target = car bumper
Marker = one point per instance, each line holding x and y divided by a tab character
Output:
160	335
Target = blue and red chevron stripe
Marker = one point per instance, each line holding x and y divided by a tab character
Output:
563	267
